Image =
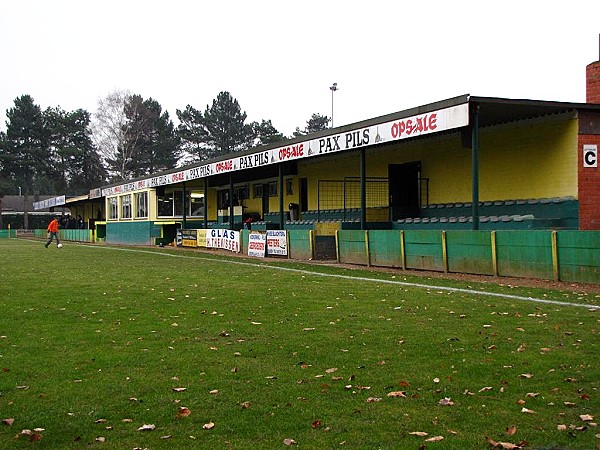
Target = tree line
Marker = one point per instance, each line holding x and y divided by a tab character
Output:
56	152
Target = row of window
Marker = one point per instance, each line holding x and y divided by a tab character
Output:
170	204
135	206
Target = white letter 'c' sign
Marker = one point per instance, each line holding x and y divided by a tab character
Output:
590	155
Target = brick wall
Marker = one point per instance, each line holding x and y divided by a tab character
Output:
589	133
592	78
588	187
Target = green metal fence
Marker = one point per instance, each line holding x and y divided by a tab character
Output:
550	255
5	234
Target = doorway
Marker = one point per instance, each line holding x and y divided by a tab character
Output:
404	189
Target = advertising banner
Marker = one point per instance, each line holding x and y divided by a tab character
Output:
187	238
224	239
257	243
408	127
277	242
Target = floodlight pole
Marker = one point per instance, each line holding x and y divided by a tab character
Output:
333	88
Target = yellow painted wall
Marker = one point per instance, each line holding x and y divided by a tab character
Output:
534	159
334	167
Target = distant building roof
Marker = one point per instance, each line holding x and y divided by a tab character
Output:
16	203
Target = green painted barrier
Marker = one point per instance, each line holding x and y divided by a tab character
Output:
470	252
384	248
541	254
525	254
352	247
579	256
423	250
302	246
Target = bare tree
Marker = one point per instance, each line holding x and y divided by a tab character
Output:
112	132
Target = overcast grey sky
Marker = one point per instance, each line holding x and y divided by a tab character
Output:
278	58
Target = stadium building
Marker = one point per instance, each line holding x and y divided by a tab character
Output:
464	163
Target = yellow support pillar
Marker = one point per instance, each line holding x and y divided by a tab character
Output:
367	248
445	251
555	256
494	253
402	250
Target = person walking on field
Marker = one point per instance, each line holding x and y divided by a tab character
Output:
53	232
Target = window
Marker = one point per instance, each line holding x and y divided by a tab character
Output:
178	203
223	199
257	190
273	189
126	206
197	204
289	187
241	193
141	205
113	205
165	204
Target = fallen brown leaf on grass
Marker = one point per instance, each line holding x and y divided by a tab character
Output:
289	441
527	411
316	424
147	427
373	400
586	417
183	412
35	437
503	445
246	405
446	401
419	433
511	430
435	439
208	426
396	394
179	389
8	422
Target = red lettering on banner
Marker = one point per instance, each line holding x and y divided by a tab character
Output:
224	166
295	151
421	124
177	177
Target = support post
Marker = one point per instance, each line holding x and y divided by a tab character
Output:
402	250
445	251
231	218
363	190
494	253
367	250
475	164
184	215
281	194
555	267
205	203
